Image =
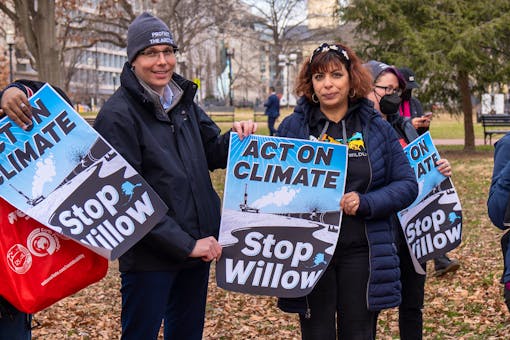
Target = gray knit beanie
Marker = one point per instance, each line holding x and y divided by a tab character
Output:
147	30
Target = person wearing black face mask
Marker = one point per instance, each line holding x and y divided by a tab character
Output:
387	88
386	94
412	111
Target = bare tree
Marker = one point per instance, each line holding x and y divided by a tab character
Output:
36	22
278	21
51	28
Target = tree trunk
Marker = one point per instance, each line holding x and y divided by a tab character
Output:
467	109
48	64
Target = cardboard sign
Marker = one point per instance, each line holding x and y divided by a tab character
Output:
432	224
63	174
281	214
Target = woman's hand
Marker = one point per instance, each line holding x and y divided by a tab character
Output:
444	167
350	203
421	122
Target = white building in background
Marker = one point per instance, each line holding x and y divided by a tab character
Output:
99	67
97	74
247	80
9	57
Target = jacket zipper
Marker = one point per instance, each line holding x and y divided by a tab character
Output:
365	223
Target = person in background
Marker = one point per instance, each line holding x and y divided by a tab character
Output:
272	110
411	108
15	324
154	123
498	206
388	86
363	276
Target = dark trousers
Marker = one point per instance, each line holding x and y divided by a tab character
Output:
15	325
338	303
410	311
505	248
270	125
176	297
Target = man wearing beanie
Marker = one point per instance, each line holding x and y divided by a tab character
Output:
153	122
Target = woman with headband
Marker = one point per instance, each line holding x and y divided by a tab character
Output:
363	275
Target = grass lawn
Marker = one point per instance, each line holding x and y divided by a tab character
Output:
443	126
446	126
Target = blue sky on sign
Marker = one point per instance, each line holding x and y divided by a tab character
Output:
44	174
281	197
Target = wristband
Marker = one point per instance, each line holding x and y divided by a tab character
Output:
17	85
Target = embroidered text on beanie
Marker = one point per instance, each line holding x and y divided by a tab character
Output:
147	30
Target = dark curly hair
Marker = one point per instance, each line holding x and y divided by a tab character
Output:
324	61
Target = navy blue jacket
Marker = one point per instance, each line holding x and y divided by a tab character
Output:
499	192
403	127
392	187
173	152
272	106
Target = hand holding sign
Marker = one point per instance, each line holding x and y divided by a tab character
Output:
350	203
207	248
15	105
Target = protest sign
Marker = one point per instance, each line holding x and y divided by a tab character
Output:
281	214
432	224
63	174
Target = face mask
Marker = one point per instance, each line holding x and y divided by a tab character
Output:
389	104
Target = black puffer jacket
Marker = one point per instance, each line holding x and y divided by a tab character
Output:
173	152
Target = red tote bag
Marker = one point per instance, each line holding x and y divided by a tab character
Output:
38	266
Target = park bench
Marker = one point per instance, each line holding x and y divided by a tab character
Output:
258	113
494	124
224	113
90	120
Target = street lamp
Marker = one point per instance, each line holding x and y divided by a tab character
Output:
230	54
181	61
287	60
114	79
90	63
10	42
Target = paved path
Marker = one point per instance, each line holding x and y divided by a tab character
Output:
478	141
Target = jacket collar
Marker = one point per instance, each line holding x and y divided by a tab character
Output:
183	89
313	115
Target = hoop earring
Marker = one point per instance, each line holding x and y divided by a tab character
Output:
352	93
314	98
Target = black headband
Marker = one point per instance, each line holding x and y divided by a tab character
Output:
325	47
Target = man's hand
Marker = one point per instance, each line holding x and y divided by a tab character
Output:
15	105
244	128
207	248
